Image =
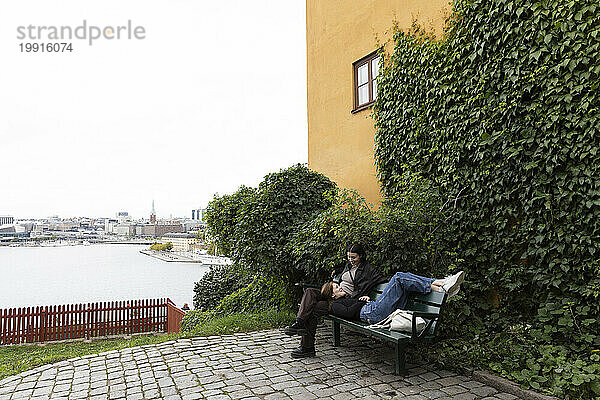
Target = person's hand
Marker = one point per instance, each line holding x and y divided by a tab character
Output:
332	274
364	298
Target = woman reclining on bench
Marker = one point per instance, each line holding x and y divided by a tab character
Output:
393	297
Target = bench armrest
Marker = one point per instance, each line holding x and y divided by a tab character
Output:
429	317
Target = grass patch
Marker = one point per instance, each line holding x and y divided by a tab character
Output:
16	359
234	323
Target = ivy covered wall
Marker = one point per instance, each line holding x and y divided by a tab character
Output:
503	114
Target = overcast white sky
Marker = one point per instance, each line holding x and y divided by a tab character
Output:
214	97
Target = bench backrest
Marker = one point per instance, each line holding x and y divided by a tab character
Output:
430	303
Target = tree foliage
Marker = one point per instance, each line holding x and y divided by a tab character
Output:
404	234
162	246
255	225
222	215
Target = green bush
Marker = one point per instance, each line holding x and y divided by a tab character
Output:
235	289
503	116
222	215
262	293
320	243
255	225
217	283
162	246
406	233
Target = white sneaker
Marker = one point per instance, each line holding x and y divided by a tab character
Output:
452	283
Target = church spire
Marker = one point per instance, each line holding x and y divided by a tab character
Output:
153	214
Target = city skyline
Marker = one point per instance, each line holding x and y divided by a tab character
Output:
114	215
212	98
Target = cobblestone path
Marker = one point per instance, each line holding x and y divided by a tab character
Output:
253	365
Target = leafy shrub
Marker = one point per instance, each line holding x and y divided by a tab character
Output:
222	215
321	242
194	319
405	234
162	246
502	115
255	225
233	289
262	293
217	283
411	230
515	355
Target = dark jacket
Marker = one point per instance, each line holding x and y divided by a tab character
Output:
366	278
347	308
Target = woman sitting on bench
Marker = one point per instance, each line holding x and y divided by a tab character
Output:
393	297
358	278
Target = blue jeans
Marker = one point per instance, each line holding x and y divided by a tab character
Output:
394	296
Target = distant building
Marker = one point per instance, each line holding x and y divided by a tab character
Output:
11	229
123	216
109	225
198	214
6	220
124	230
180	241
193	226
160	230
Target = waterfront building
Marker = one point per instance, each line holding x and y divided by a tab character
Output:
162	229
124	230
109	225
180	241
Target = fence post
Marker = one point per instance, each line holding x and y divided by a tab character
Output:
87	323
174	317
43	316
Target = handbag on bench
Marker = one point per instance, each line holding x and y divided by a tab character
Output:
400	321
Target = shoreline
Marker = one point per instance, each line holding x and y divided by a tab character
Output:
170	257
188	257
69	243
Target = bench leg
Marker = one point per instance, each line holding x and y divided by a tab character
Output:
335	330
400	354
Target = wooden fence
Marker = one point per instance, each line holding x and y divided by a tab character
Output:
74	321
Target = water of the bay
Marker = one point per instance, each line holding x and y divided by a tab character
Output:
35	276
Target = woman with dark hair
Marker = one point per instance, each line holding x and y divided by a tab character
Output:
357	279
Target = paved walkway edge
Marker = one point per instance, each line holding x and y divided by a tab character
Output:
504	385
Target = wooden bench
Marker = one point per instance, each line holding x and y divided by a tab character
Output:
427	306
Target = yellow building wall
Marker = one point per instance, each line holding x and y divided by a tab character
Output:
338	33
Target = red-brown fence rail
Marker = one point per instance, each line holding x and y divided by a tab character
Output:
73	321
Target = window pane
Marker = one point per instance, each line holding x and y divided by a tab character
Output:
375	66
363	74
374	90
363	94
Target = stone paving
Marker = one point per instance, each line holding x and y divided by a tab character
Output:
254	365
